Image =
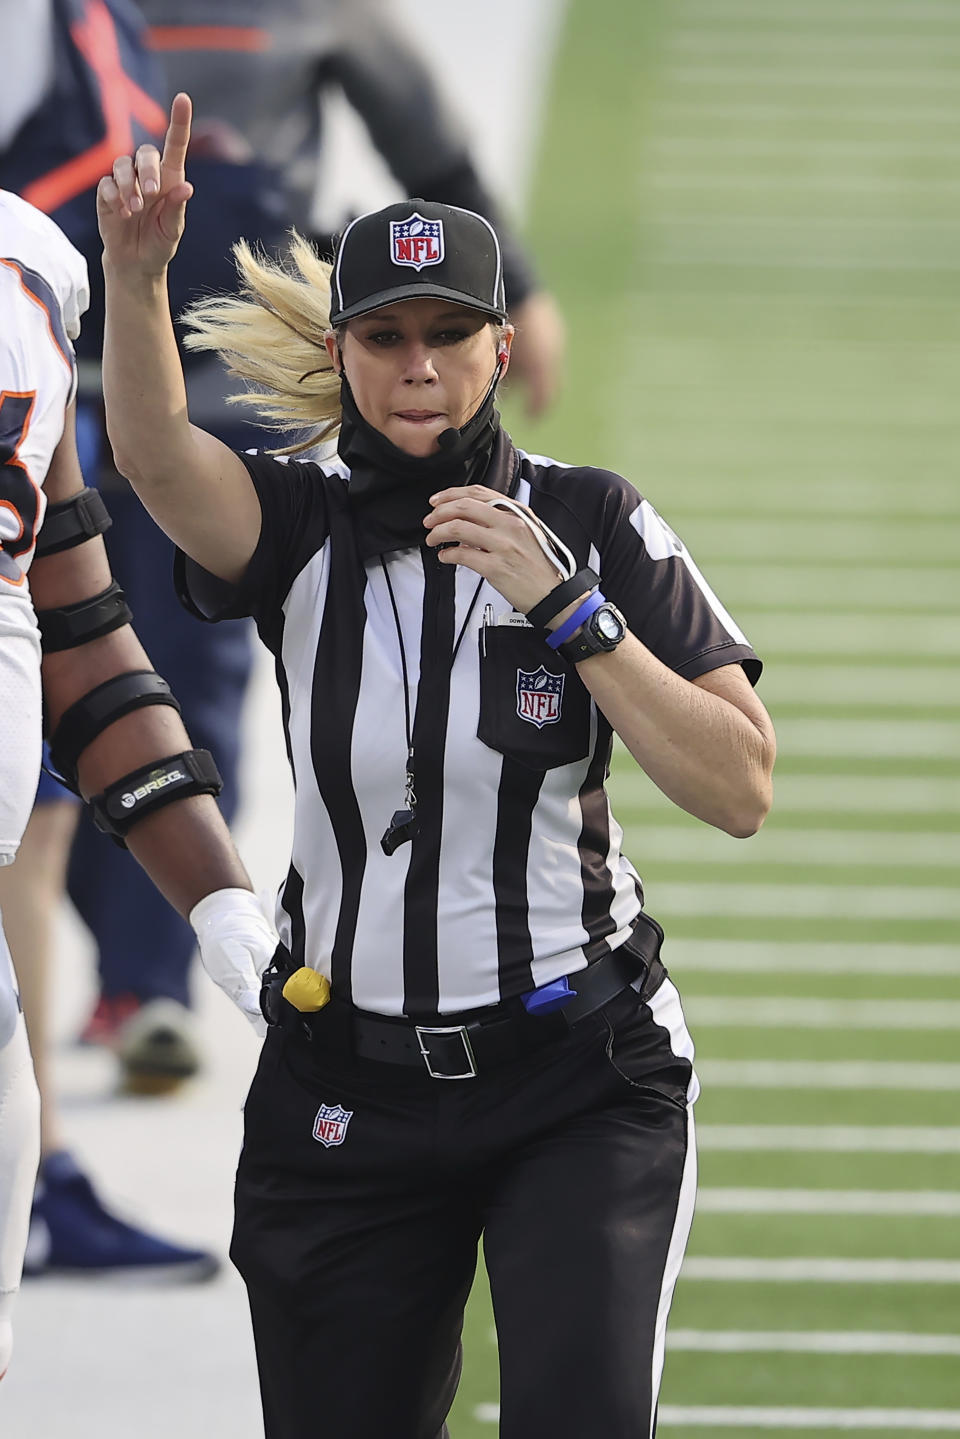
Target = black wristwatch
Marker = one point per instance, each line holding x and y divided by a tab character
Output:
600	632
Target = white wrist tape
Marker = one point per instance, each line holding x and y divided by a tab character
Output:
551	545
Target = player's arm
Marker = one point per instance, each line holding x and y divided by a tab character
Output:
197	489
115	733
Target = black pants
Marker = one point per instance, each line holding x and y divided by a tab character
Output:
577	1166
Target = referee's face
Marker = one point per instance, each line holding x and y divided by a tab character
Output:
418	367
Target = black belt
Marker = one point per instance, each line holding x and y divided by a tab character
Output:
501	1033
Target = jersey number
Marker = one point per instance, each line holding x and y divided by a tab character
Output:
19	496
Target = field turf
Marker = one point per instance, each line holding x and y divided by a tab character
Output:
751	214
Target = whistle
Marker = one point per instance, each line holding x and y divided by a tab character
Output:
307	990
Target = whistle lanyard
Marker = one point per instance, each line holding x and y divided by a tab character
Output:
404	824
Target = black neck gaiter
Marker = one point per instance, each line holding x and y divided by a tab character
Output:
389	491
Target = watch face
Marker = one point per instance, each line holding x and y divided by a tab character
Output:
608	626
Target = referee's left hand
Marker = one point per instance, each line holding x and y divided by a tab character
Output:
492	542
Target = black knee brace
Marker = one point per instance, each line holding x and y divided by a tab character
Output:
140	793
93	712
71	522
70	625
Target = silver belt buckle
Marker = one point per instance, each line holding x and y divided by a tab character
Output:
459	1029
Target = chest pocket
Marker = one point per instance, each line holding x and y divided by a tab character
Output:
533	706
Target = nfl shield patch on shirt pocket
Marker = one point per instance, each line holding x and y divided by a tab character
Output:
534	708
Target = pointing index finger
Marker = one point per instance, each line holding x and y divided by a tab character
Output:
174	158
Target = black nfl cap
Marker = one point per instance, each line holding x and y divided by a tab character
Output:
417	249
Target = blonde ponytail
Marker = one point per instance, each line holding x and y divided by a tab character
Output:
270	334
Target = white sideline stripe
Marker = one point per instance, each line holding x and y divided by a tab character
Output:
894	1203
822	1341
712	1268
757	956
828	1074
761	1011
937	1421
828	1139
685	845
672	1415
806	901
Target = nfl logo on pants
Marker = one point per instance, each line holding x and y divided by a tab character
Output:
330	1125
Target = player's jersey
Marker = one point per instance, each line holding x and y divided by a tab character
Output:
43	293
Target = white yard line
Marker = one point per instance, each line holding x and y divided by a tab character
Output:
818	1341
778	225
721	1417
774	259
828	1139
840	684
894	1204
806	901
778	147
815	12
895	794
801	585
671	110
720	1268
787	182
774	1012
866	1074
769	45
935	1421
757	956
671	844
744	78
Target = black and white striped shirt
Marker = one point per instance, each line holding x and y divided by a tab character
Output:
516	875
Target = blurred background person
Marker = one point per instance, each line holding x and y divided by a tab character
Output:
258	90
69	659
97	76
52	92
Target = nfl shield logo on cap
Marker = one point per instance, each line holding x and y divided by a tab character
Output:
416	241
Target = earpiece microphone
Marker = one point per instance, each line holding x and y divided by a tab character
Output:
448	438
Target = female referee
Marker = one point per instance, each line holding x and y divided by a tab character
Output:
459	629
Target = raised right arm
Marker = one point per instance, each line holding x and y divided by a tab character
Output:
197	489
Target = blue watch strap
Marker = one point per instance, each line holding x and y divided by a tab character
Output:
570	626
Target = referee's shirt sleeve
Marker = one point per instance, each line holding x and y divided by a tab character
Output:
648	572
293	526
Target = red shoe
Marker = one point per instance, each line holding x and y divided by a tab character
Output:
109	1016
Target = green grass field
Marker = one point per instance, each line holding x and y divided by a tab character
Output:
751	213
